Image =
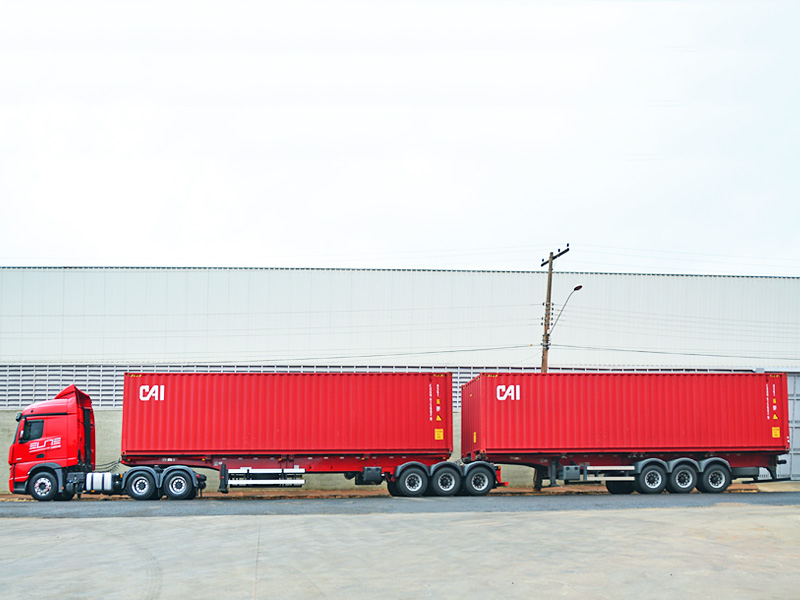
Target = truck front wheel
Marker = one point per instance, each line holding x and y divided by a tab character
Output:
43	486
141	486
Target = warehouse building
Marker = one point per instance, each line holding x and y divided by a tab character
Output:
89	326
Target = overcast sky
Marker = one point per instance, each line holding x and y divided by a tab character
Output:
651	136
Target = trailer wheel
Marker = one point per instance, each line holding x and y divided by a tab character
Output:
478	481
714	480
141	486
619	487
178	486
412	482
43	487
651	480
445	482
682	480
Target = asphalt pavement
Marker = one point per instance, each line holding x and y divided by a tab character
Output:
558	545
121	507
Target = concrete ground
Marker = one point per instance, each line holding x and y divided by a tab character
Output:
730	549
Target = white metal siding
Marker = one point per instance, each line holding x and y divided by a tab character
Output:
792	468
21	385
374	317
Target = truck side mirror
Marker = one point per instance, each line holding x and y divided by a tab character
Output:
19	416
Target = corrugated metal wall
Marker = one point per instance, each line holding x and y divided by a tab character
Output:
21	385
792	468
288	413
591	412
374	317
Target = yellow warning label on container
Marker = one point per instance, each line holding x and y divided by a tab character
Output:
438	434
774	417
474	437
438	418
776	432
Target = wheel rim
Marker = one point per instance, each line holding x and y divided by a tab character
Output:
480	481
684	479
177	485
141	486
716	479
413	482
446	482
43	486
652	479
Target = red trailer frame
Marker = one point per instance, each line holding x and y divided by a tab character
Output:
270	429
616	426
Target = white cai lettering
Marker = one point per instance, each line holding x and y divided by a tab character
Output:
151	392
508	392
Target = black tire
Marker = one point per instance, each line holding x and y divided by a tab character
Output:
651	480
682	480
478	481
141	486
445	482
64	496
619	487
43	486
714	480
412	482
391	487
178	486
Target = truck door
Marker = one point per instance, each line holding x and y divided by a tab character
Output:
86	436
30	430
39	440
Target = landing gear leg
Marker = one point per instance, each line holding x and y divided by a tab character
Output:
553	474
538	476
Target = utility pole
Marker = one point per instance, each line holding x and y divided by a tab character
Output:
547	304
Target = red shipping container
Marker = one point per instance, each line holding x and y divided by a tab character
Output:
559	413
286	414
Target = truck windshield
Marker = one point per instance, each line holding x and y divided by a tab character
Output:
32	430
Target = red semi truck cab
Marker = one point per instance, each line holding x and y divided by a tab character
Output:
52	438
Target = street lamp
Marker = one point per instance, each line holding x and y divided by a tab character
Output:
547	332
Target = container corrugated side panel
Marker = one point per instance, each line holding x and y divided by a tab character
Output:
633	412
287	413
